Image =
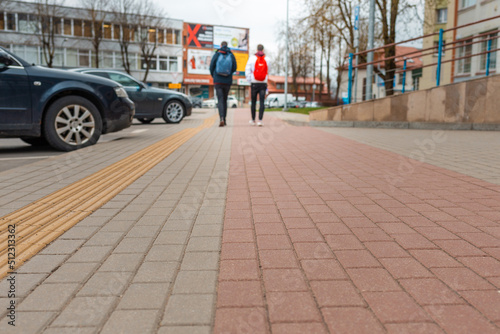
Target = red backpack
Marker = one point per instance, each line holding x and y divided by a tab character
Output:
260	71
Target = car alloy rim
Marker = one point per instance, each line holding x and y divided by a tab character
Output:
174	111
75	124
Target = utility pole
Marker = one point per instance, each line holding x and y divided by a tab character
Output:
369	58
286	66
356	41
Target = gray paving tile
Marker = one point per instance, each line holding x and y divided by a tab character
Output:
165	253
156	272
27	322
105	284
178	225
24	283
91	254
131	321
122	262
85	311
204	244
133	245
70	330
104	239
72	273
172	238
206	231
58	294
143	231
200	261
143	296
62	247
189	310
195	282
185	330
118	225
210	219
42	264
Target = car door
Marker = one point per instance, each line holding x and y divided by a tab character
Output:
15	99
144	99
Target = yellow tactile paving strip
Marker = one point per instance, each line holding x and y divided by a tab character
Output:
41	222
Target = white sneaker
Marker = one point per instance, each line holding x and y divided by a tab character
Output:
259	123
252	122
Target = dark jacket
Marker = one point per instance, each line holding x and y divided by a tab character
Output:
219	79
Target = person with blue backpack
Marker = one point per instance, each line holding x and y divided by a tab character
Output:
222	67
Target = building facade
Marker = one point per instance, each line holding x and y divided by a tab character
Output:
305	89
200	42
20	33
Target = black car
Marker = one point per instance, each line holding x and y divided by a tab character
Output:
150	102
66	110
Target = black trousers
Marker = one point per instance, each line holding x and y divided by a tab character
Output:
222	91
258	89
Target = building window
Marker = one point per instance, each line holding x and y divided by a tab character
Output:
464	65
172	66
152	35
84	58
67	27
78	28
116	32
467	3
152	63
23	22
71	58
11	21
2	21
107	60
106	33
400	78
436	48
493	55
87	29
280	86
57	22
163	63
442	15
170	36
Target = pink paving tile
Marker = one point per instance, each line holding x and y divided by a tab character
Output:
237	223
238	251
458	227
430	291
277	241
293	213
238	213
462	279
291	223
415	221
263	201
269	228
324	217
371	234
305	235
239	294
459	248
238	270
386	249
395	306
277	259
323	269
295	204
238	236
436	233
312	201
478	221
414	328
434	258
313	250
241	320
336	293
348	320
353	222
284	280
487	302
413	241
317	208
292	307
481	239
483	265
333	228
494	252
266	218
343	242
356	259
299	328
238	205
373	279
460	319
344	209
385	217
405	267
264	209
396	228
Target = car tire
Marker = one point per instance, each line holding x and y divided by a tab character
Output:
174	111
234	106
72	122
35	141
145	120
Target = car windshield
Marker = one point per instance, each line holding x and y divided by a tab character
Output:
123	80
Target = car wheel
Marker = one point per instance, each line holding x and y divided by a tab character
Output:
35	141
234	106
145	120
174	112
72	122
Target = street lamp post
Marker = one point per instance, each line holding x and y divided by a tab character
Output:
286	66
62	49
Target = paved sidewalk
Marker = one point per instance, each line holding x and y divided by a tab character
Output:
323	234
274	229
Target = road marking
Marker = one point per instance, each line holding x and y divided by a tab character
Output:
139	131
27	158
42	221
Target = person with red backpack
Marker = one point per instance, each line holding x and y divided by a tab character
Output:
256	73
222	67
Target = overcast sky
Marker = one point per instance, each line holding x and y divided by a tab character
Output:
261	16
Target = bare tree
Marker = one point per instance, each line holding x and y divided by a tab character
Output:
123	12
150	17
96	10
49	15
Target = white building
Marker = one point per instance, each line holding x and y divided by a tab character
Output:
19	32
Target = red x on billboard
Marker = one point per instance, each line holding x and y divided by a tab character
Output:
200	36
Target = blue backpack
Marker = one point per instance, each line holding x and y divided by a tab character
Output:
224	65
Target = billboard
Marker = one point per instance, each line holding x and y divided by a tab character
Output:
236	38
241	62
198	61
200	36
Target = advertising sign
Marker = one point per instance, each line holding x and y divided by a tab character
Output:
200	36
237	39
198	61
241	62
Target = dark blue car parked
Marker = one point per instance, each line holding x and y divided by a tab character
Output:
64	109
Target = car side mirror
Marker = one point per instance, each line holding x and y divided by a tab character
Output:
5	60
